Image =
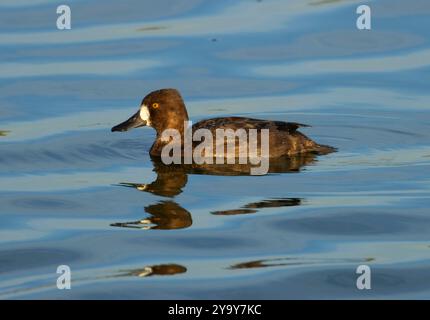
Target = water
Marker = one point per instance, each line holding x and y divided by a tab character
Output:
73	193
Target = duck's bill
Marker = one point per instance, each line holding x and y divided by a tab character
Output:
135	121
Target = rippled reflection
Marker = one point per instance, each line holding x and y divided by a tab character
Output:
155	270
169	183
3	133
292	261
269	203
164	215
172	179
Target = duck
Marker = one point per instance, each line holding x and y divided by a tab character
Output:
165	109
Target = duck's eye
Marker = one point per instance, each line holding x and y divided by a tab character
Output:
155	105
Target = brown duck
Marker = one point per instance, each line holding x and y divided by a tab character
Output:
165	109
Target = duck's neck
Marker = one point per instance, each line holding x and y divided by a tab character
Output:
173	131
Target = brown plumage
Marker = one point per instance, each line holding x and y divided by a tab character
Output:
165	109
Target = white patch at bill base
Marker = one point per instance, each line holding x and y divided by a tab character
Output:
144	114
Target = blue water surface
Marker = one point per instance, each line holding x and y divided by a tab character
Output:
73	193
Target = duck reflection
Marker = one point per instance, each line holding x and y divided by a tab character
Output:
260	264
165	215
253	206
294	261
168	269
3	133
277	262
156	270
172	179
169	183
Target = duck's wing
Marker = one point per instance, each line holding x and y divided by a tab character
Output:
284	138
236	123
288	126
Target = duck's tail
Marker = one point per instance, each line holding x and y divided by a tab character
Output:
300	143
322	149
308	145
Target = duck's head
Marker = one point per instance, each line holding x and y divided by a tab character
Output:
162	109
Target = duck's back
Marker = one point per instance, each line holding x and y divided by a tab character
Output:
284	139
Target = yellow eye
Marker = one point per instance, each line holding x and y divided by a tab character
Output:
155	105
